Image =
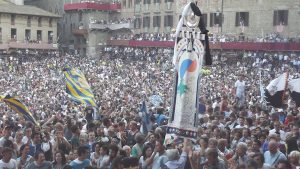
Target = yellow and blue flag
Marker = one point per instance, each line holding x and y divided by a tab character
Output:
18	107
78	87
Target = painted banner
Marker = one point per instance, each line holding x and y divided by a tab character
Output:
188	59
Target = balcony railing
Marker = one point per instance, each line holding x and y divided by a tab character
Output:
80	32
117	26
24	45
265	46
92	5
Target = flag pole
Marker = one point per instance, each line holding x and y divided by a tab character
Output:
285	86
260	83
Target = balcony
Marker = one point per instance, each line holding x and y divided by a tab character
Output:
267	46
24	45
112	26
80	32
92	5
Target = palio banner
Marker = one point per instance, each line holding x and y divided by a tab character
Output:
189	53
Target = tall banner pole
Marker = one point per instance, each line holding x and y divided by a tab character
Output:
188	59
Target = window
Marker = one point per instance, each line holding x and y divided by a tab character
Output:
137	6
146	21
204	18
13	34
124	3
71	41
168	20
29	21
129	3
80	16
0	35
39	35
280	17
137	23
40	21
215	19
84	51
50	22
50	37
156	21
12	19
147	1
168	4
27	34
156	1
78	40
242	19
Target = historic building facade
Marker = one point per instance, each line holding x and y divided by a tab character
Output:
24	27
87	24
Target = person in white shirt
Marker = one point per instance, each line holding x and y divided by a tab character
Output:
240	86
277	131
27	138
6	135
241	123
273	155
175	160
7	162
280	57
285	58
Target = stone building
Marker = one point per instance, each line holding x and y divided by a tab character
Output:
87	24
232	17
24	27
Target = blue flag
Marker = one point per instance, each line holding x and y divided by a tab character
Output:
146	122
156	100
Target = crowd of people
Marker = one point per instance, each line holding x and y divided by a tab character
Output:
145	36
115	21
269	37
236	130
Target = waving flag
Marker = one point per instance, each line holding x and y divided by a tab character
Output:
18	107
261	88
156	100
262	92
294	87
78	87
275	91
146	122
